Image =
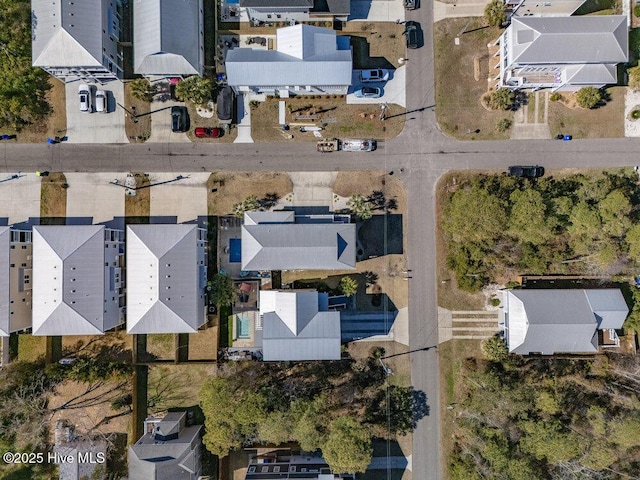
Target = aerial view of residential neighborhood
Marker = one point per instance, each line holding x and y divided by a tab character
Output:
320	239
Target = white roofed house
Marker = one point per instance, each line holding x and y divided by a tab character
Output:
277	241
297	325
77	279
307	60
168	38
563	53
77	40
166	275
550	321
295	10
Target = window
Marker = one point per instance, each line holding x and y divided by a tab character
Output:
269	16
24	247
12	265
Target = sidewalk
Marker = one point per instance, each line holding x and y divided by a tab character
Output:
459	9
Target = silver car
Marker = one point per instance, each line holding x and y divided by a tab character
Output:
101	101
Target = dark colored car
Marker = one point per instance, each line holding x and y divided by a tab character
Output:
531	171
179	119
413	32
208	132
224	105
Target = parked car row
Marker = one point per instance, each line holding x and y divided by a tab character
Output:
86	100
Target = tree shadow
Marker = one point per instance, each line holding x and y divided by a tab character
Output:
421	408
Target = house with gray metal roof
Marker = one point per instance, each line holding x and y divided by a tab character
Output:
77	279
306	60
169	450
284	463
77	40
168	38
547	322
166	278
295	10
284	241
548	8
298	325
563	53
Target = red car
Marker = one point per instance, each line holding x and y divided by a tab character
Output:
206	132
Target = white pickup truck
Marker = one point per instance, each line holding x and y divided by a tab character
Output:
359	145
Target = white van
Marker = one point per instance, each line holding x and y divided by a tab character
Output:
101	101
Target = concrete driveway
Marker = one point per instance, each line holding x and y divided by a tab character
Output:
377	10
393	90
91	196
184	199
313	189
19	197
96	127
161	123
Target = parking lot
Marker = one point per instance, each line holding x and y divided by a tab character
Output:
393	91
19	197
92	196
83	127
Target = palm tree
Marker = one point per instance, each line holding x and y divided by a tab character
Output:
361	206
495	13
141	89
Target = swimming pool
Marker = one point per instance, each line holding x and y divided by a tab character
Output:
243	325
232	2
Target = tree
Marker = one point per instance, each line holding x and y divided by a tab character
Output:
275	428
588	97
475	215
495	13
633	241
23	88
502	98
634	77
348	447
309	422
361	206
548	440
527	220
495	349
348	285
222	291
248	204
195	89
141	89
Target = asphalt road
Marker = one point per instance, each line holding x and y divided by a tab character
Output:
420	155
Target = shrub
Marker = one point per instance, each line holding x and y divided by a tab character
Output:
555	97
495	349
501	99
503	125
588	97
195	89
349	286
253	104
635	114
495	302
636	11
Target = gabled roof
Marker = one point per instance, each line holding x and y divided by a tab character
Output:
560	321
562	40
291	246
68	280
164	294
167	37
591	73
305	55
266	4
67	34
294	328
5	288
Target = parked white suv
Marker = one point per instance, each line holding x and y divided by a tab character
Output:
359	145
86	105
101	101
375	75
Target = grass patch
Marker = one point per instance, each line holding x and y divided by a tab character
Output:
458	94
161	345
141	130
376	44
138	206
226	189
53	197
337	118
600	7
30	347
603	122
